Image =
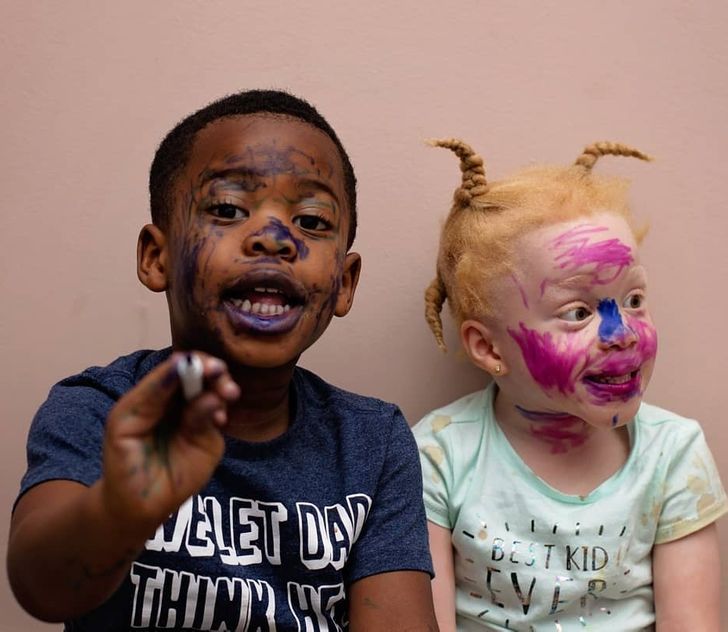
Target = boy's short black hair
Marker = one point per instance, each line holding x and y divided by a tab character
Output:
173	152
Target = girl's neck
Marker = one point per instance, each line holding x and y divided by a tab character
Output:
563	450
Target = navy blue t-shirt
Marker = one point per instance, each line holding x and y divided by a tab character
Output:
275	538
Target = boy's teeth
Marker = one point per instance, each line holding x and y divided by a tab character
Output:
261	308
270	290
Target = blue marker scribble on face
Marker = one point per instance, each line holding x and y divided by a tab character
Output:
280	233
611	328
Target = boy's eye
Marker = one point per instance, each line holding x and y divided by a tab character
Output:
577	314
228	211
312	222
634	301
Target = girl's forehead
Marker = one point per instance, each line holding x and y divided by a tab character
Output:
600	239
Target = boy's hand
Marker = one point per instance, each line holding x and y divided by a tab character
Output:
159	449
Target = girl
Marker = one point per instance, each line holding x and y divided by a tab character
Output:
556	499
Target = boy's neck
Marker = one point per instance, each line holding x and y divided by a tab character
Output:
263	410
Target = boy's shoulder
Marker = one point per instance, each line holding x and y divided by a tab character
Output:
120	375
317	392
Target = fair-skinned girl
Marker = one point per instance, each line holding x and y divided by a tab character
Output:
556	498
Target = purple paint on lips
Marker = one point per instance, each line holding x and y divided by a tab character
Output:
271	324
550	364
623	363
577	250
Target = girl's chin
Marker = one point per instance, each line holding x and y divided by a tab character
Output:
612	418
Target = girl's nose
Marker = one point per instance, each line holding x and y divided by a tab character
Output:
613	332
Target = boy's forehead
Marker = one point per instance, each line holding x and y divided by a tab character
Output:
266	145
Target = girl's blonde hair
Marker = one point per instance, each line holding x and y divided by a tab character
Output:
478	239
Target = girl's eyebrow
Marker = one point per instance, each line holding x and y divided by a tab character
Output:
576	282
585	282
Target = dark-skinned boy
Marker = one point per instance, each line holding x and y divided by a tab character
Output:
272	499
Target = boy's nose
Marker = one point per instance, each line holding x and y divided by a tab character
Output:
273	239
613	331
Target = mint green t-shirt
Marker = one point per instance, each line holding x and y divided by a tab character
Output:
528	557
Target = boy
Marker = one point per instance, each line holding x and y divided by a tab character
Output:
271	500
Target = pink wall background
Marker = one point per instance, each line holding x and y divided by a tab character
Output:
89	89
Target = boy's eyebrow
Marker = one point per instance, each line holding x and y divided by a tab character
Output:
250	177
317	185
253	180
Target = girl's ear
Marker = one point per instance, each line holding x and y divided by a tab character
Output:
152	258
478	342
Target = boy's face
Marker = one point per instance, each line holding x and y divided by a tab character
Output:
255	255
574	327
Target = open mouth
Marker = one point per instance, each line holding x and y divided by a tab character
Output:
605	386
265	301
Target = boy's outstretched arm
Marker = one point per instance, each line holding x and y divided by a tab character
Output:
398	601
71	546
686	578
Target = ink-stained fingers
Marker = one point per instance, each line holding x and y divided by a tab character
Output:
141	409
206	409
198	372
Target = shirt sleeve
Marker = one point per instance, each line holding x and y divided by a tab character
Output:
694	496
395	536
66	435
437	473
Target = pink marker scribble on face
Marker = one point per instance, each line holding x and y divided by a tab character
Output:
551	365
646	338
577	250
561	436
521	290
561	431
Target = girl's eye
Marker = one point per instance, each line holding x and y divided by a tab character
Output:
311	222
577	314
634	301
228	211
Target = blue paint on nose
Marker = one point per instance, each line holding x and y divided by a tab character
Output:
611	328
279	232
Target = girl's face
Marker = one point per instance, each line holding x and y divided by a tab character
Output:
573	327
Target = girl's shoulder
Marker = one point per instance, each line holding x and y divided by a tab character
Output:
659	424
458	418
